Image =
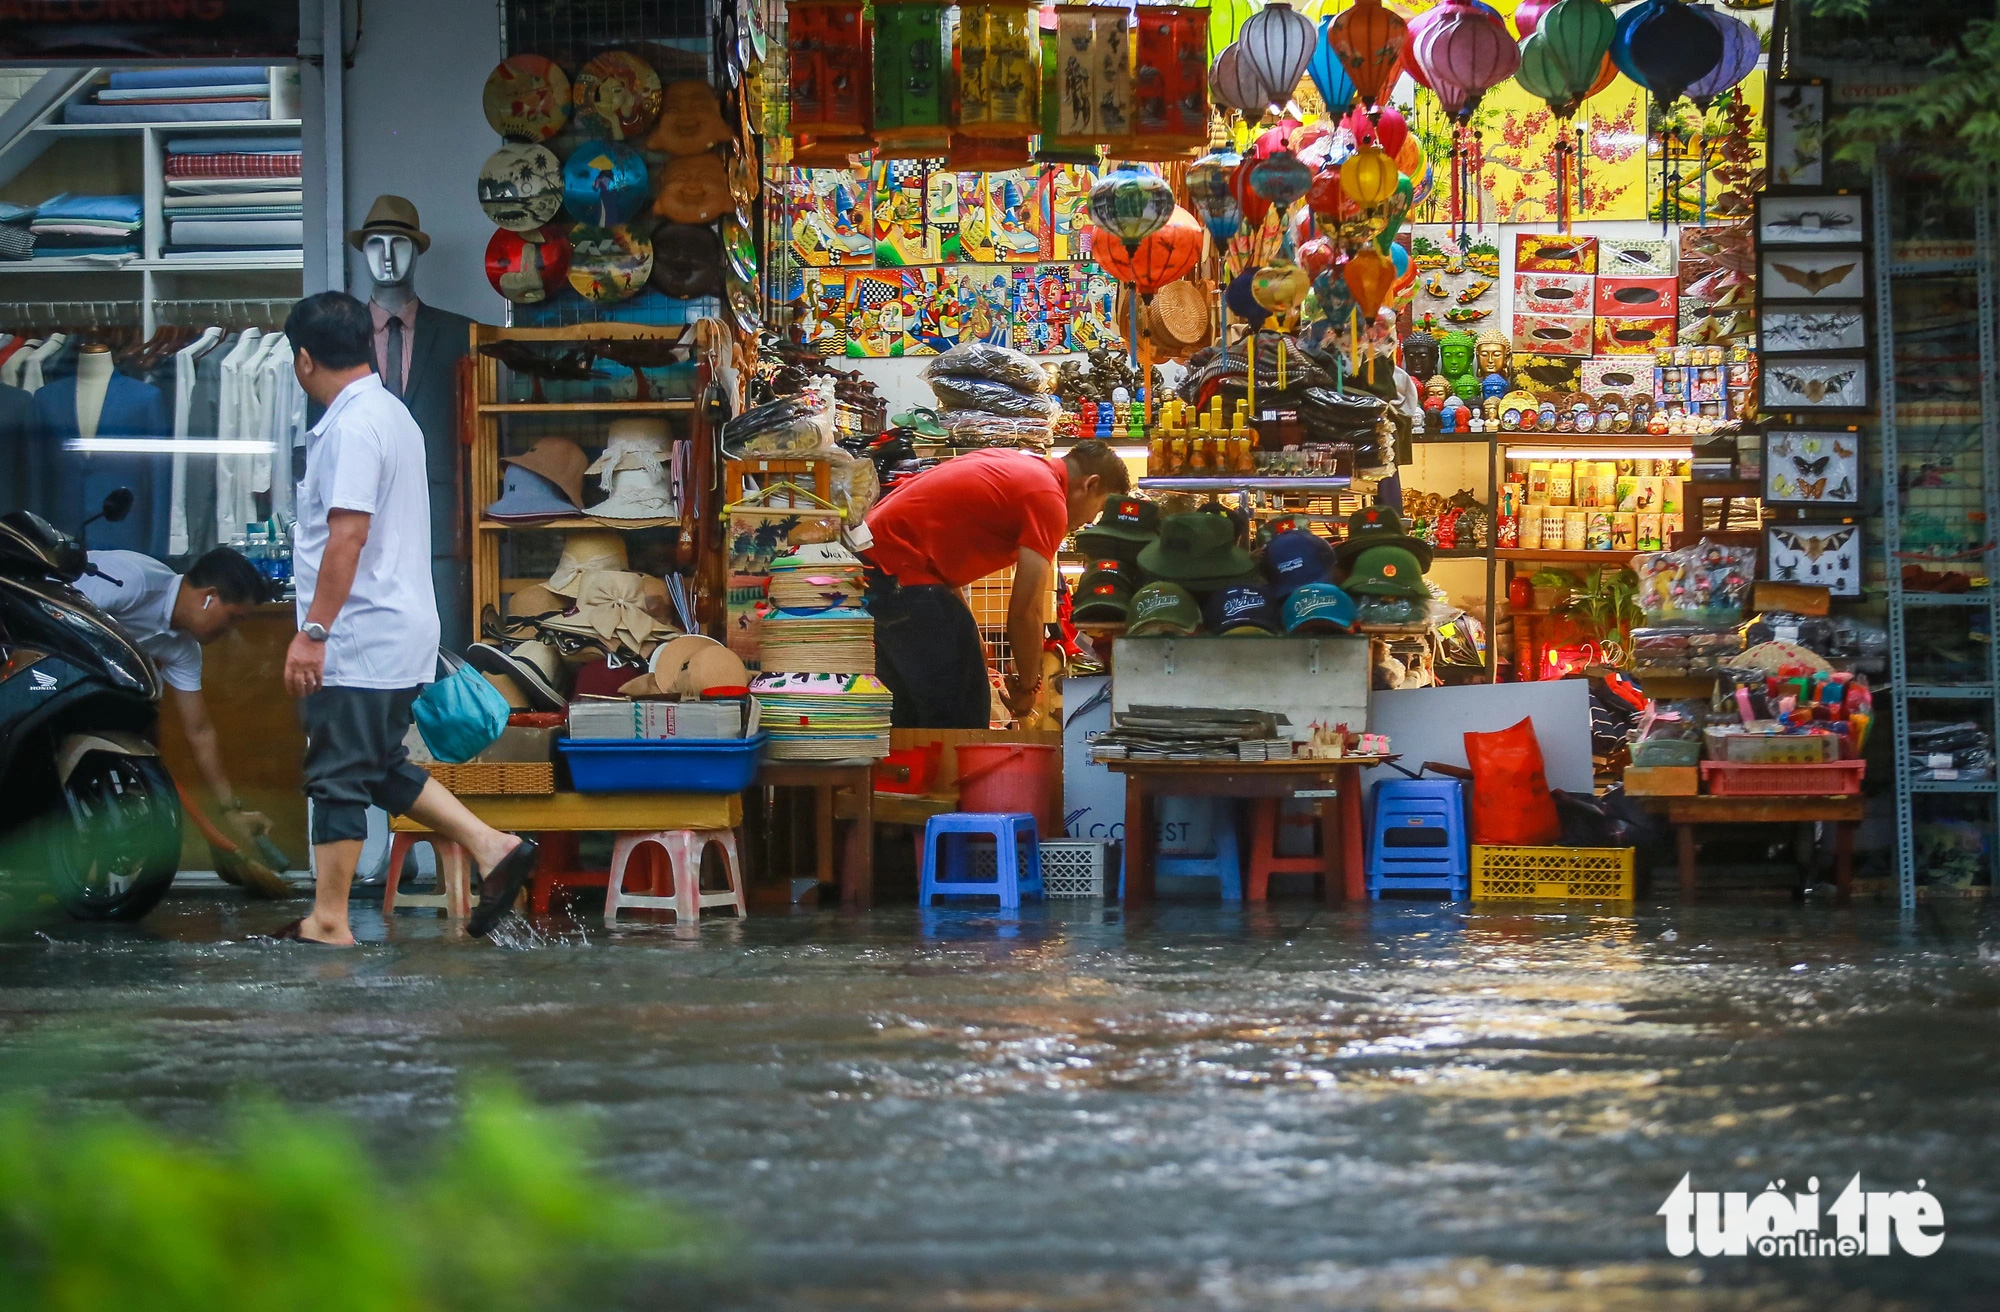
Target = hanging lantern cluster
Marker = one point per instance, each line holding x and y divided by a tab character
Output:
912	80
830	46
1564	58
1464	52
999	83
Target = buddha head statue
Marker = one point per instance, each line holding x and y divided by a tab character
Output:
1420	355
1455	358
1492	352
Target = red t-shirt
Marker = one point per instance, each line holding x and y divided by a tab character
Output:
970	517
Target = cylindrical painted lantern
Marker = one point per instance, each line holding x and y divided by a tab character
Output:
1093	76
999	69
1169	82
828	44
912	79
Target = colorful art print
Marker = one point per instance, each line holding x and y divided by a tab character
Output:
1549	376
1517	181
1635	257
883	310
899	208
1797	134
1828	555
1808	466
1066	192
1458	283
986	297
1624	297
1633	335
1812	275
1791	330
829	213
1831	383
1094	322
1003	220
1042	308
1552	334
1552	293
822	316
1619	374
1554	252
1812	219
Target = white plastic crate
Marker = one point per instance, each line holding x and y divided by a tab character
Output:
1071	867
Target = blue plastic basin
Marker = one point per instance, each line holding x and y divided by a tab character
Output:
672	765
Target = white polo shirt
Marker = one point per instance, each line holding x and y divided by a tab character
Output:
367	454
144	608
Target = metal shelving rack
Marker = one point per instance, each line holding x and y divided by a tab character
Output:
1903	692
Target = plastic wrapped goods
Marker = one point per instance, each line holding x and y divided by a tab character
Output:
961	392
1001	364
795	426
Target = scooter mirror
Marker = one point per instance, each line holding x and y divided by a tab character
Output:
118	504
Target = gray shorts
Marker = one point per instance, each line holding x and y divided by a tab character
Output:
355	756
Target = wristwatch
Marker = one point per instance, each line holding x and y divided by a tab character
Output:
317	632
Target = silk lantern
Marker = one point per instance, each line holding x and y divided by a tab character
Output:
1528	14
1665	46
1165	256
1280	285
1316	256
1368	40
1235	84
1278	43
1740	51
1575	36
1243	303
1466	53
1225	21
1369	275
1420	25
1169	81
1385	126
1000	73
1093	78
1325	199
1368	177
1253	205
1542	77
831	91
1328	77
1280	179
912	79
1131	204
1208	187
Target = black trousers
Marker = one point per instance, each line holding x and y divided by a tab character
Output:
927	649
355	756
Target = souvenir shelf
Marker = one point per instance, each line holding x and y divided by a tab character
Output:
1940	499
493	414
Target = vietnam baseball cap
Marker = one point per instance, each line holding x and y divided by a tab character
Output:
1295	558
1103	593
1242	610
1319	608
1133	518
1163	610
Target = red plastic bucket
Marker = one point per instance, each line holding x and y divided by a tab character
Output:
1012	777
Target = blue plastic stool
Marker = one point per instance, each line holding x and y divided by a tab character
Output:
1417	839
1013	875
1222	865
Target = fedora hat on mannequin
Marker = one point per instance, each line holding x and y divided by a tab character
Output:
394	217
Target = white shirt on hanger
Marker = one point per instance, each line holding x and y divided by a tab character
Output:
233	507
10	372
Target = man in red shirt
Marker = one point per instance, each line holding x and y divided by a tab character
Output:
954	525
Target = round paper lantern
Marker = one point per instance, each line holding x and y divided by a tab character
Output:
1316	256
1254	206
1233	83
1386	128
1665	46
1421	24
1607	73
1334	86
1131	204
1278	44
1168	255
1528	14
1369	177
1576	36
1369	275
1208	187
1368	40
1325	198
1280	179
1411	157
1225	20
1242	303
1280	285
1467	50
1740	50
1541	77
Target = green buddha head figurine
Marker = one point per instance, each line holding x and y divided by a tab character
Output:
1466	386
1456	353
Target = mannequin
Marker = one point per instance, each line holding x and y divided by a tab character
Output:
98	401
392	244
93	381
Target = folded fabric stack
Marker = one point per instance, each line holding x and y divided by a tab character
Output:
73	225
816	577
839	641
17	237
177	95
823	717
233	194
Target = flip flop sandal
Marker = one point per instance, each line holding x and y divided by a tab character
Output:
501	885
921	420
289	933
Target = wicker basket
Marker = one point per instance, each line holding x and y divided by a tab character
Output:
1531	873
491	779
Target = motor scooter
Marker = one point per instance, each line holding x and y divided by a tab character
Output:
88	812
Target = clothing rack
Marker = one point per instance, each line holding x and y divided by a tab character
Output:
239	312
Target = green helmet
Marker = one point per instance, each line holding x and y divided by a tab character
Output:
1387	572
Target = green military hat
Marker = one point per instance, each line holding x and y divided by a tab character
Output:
1379	526
1387	572
1104	593
1197	549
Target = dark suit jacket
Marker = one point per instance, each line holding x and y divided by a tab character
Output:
22	462
131	409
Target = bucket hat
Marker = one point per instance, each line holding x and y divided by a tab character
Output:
393	216
1104	593
611	606
1319	608
1296	558
583	551
1380	526
1387	571
1241	610
1163	610
1196	546
527	497
633	472
534	666
559	460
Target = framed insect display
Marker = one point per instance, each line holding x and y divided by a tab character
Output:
1827	555
1813	274
1797	145
1798	329
1812	467
1812	219
1821	383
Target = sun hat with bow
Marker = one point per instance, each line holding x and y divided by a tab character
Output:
633	472
583	551
611	606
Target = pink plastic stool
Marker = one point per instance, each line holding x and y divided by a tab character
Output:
454	877
684	849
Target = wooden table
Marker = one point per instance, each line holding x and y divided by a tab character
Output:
1342	873
825	778
1685	813
558	817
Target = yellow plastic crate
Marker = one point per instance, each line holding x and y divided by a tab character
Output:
1518	873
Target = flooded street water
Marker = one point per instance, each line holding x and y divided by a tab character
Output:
1199	1108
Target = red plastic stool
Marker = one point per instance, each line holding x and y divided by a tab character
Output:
559	870
454	877
683	850
1264	858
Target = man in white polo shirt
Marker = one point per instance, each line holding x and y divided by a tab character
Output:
172	617
368	623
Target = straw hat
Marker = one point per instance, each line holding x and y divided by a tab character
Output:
1179	318
559	460
611	605
672	656
633	472
712	667
536	599
505	685
585	550
533	667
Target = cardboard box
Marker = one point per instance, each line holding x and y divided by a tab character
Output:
517	745
1554	252
1619	375
1554	334
1634	336
1629	297
1663	780
1552	293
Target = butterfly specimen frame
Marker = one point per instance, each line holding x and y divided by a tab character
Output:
1797	146
1823	383
1808	329
1812	467
1827	555
1811	218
